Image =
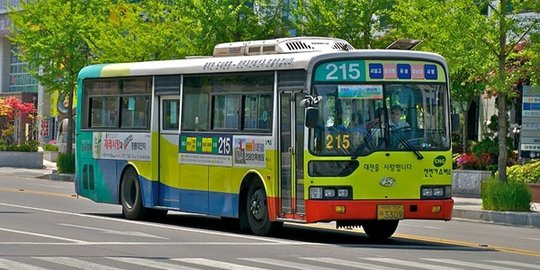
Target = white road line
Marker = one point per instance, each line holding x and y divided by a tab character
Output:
127	233
76	263
468	264
148	224
217	264
152	244
8	264
520	264
43	235
411	264
158	264
287	264
348	263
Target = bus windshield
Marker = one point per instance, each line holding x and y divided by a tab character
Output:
359	119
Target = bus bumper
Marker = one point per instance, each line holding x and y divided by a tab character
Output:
326	210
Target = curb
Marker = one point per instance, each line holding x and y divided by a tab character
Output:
522	219
58	177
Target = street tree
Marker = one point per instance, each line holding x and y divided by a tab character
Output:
489	42
357	21
449	30
234	20
50	36
141	31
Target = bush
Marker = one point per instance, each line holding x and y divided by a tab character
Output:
528	173
50	147
506	196
66	163
29	146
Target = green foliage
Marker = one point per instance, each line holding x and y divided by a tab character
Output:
528	173
50	147
506	196
66	163
29	146
352	20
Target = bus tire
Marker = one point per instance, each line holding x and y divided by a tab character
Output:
131	196
257	210
380	229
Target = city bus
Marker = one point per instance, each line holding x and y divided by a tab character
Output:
271	131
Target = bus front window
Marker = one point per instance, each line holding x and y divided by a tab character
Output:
359	119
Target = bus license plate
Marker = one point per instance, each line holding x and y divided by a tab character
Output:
390	212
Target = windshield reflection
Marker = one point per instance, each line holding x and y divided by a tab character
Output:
356	120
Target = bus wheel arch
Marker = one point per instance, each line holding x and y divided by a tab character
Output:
130	194
253	207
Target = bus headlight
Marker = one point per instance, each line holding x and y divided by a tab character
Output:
436	192
315	192
329	193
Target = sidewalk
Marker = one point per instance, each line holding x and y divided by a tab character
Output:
464	208
49	171
471	209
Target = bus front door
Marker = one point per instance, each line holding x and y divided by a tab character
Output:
291	151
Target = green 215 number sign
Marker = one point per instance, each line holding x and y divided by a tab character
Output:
341	71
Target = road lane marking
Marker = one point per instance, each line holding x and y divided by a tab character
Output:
35	192
520	264
76	263
86	243
285	242
43	235
287	264
127	233
468	264
8	264
415	265
154	225
151	263
217	264
469	244
353	264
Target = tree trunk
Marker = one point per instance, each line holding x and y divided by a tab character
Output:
71	124
501	98
465	130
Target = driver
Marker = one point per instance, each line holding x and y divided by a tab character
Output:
395	118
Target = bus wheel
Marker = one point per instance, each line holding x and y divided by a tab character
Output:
257	210
380	229
130	196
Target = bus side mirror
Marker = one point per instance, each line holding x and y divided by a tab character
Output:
312	117
455	122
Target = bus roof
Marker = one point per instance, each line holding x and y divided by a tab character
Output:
266	62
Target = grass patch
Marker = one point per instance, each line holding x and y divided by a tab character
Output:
506	196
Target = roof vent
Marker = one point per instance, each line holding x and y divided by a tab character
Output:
280	46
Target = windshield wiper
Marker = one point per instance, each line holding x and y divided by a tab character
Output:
408	145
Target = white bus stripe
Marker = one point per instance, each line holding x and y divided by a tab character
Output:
217	264
411	264
158	264
348	263
287	264
76	263
468	264
520	264
8	264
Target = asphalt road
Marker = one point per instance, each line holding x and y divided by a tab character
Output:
44	226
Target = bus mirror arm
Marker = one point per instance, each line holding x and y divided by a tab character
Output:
310	101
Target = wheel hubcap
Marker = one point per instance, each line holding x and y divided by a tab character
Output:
255	205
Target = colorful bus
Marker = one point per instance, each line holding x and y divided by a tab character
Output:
265	132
